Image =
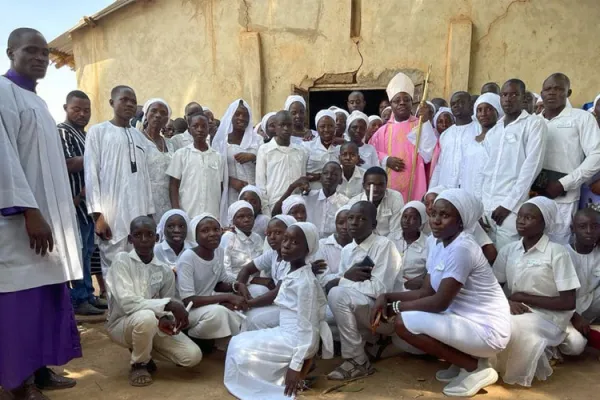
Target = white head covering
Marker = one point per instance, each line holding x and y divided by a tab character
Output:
338	110
595	102
323	114
428	102
355	116
235	207
265	121
160	230
420	207
437	189
549	211
345	207
400	83
149	103
292	99
374	118
288	220
493	100
263	204
311	233
290	202
196	220
250	140
469	207
440	112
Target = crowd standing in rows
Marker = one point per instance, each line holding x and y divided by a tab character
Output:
281	245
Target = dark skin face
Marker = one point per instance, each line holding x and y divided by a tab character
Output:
208	234
386	115
271	127
211	122
530	222
169	130
254	201
529	102
124	104
341	227
401	106
460	103
326	129
340	124
298	212
191	110
444	122
356	101
298	112
275	231
411	221
360	226
586	228
429	200
357	131
511	99
294	247
445	221
349	156
157	116
374	126
30	56
284	127
78	112
240	120
198	128
486	115
382	105
379	183
555	92
175	231
244	220
143	237
331	178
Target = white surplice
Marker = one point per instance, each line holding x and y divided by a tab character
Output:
115	188
34	175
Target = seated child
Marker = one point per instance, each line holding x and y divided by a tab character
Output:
240	245
541	283
144	315
330	248
216	298
172	237
352	174
267	364
585	255
294	204
253	195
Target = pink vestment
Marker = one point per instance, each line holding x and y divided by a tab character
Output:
391	140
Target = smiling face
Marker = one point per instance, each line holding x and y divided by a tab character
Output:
445	220
486	115
208	233
240	119
29	55
586	227
326	128
157	116
244	220
298	112
530	221
275	231
175	230
294	246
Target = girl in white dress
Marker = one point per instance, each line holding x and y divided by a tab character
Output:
241	245
253	195
541	284
321	149
173	237
357	129
267	364
160	152
237	142
460	314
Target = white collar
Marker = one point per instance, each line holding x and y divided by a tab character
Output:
134	256
367	243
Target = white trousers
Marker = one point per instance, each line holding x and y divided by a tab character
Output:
562	233
503	234
108	252
139	332
574	344
213	321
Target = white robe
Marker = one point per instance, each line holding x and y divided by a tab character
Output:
113	190
34	175
257	361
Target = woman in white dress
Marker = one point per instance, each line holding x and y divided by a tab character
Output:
237	142
541	284
267	364
160	151
488	111
460	314
173	237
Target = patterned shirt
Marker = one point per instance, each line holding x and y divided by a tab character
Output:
73	141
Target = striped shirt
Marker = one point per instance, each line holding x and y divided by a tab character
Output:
73	141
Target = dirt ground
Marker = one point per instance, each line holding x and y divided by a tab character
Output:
102	374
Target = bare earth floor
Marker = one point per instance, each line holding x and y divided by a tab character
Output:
102	374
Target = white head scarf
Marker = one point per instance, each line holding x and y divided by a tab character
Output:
288	220
323	114
338	110
265	121
420	207
345	207
436	189
430	104
235	207
595	102
160	230
147	107
290	202
493	100
400	83
263	204
293	99
549	211
469	207
375	118
311	233
355	116
440	112
196	220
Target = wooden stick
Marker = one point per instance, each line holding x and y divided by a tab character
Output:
341	385
376	323
418	141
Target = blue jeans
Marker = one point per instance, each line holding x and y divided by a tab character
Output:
83	290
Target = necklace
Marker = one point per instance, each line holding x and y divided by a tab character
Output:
162	148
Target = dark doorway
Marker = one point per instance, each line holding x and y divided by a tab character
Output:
321	99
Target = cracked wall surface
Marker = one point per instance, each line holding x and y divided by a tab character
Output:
214	51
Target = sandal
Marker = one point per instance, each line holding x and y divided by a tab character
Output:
350	369
151	366
139	375
375	351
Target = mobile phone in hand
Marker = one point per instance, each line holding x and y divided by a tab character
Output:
367	262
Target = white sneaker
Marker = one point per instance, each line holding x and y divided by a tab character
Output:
446	375
467	384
